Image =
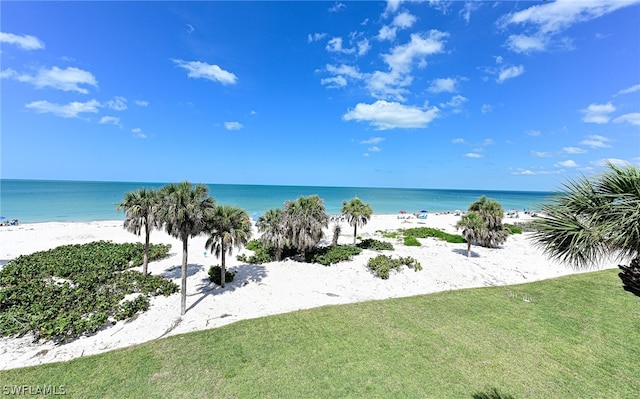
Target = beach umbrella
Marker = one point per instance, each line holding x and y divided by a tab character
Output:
424	211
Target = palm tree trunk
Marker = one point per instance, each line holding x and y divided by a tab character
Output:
223	270
183	289
145	261
355	234
468	249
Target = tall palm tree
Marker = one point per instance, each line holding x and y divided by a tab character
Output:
491	213
272	227
473	228
184	210
140	208
304	220
357	213
227	227
594	218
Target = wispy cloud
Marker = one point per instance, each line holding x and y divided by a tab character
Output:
68	79
138	133
541	154
573	150
443	85
117	104
392	115
111	120
71	110
372	140
198	69
569	163
337	7
233	125
628	90
596	141
25	42
551	18
510	73
598	113
632	119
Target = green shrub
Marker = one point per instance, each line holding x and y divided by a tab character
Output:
513	229
388	234
411	241
261	253
215	274
333	254
73	290
428	232
376	245
381	265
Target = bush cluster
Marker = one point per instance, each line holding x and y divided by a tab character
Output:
75	289
411	241
215	274
513	229
261	253
376	245
333	254
381	265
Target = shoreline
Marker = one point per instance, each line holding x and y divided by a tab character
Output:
276	287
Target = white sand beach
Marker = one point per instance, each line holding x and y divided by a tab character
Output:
278	287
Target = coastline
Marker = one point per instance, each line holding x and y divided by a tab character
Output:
273	288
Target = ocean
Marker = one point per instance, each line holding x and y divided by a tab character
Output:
35	201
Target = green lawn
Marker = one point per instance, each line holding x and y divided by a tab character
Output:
572	337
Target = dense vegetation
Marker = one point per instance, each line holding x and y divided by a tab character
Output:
76	289
574	339
381	265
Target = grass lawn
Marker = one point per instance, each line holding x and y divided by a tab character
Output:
572	337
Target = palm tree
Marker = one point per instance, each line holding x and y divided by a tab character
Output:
473	227
272	227
227	227
357	214
304	220
491	213
184	211
140	208
594	218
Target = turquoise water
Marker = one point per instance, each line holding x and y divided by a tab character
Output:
33	201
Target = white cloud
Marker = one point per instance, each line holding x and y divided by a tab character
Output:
337	7
469	6
510	73
390	115
141	103
372	140
534	133
71	110
118	104
569	163
113	120
363	47
458	141
541	154
473	155
598	113
68	79
404	20
628	90
334	82
573	150
315	37
233	125
631	118
486	108
25	42
525	44
387	33
203	70
335	46
443	85
374	149
138	133
550	18
596	141
614	161
455	102
530	172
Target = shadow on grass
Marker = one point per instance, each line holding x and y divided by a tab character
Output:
461	251
491	393
245	274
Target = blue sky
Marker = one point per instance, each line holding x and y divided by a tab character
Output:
451	94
